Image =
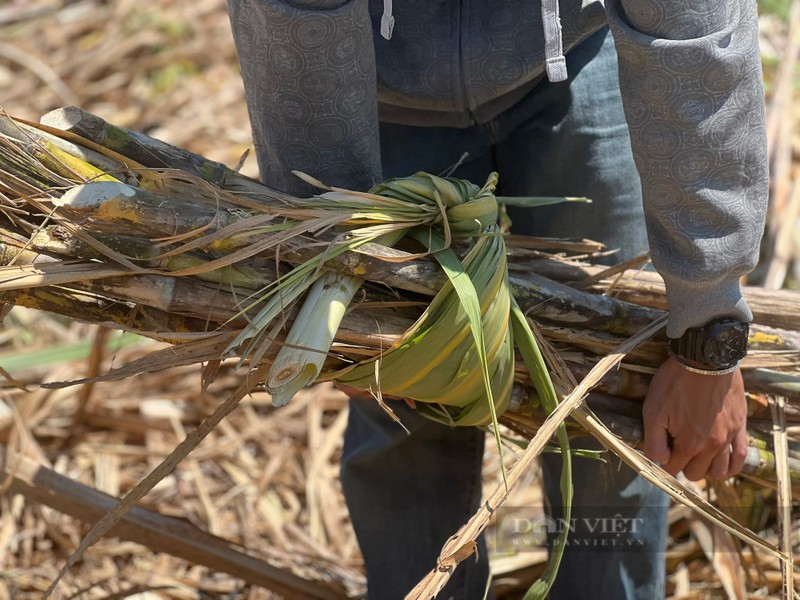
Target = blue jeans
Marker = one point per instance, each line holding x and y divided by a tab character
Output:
408	493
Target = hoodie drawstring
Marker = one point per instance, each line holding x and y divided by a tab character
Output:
387	20
555	63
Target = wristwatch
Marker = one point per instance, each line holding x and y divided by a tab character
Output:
714	348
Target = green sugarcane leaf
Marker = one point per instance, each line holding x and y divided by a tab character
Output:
540	376
536	201
45	357
470	304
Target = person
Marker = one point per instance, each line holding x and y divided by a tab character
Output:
662	126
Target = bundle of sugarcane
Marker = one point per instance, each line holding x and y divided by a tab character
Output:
110	226
107	225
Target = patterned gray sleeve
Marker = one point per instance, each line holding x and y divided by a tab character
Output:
691	80
308	68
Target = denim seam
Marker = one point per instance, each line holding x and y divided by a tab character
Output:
493	131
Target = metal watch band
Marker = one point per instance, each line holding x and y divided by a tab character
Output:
707	371
689	344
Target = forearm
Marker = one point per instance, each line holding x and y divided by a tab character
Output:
308	68
691	81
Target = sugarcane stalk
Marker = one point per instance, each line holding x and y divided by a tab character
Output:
763	339
767	381
645	289
55	241
150	152
391	266
144	149
759	462
186	306
772	308
37	141
157	324
193	298
92	308
758	438
545	300
300	358
541	298
67	165
579	320
121	208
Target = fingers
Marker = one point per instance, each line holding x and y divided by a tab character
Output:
700	456
738	452
713	459
710	457
685	456
729	461
656	443
708	437
720	464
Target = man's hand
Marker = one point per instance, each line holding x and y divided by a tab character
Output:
695	423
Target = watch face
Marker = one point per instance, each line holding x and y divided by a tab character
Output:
726	344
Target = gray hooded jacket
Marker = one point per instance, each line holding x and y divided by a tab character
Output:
319	74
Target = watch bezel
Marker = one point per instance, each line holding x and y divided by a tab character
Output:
704	345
